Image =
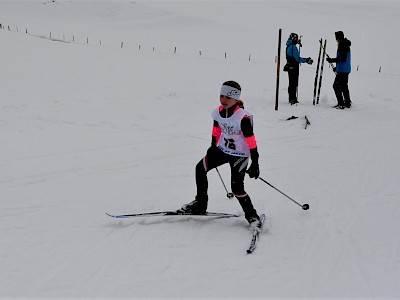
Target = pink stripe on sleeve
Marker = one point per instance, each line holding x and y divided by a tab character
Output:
216	132
251	141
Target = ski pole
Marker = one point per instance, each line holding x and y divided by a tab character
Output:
228	194
304	206
332	66
278	65
298	75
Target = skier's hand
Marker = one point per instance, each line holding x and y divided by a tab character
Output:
334	69
253	171
309	61
329	60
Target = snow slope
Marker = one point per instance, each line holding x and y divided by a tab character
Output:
88	127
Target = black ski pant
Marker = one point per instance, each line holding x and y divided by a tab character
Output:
293	83
215	158
341	88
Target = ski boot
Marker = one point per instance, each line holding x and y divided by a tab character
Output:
196	207
255	223
338	106
347	103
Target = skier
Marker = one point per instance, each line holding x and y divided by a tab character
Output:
293	62
232	142
343	69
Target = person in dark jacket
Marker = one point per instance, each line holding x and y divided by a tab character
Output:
293	61
342	69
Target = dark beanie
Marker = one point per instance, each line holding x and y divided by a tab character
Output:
339	35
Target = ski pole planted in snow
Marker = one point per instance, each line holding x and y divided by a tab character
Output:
303	206
277	69
298	74
228	194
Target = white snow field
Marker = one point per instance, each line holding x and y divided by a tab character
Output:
100	114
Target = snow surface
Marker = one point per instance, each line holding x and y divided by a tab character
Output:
88	127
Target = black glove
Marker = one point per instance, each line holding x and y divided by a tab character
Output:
329	60
309	61
254	170
334	69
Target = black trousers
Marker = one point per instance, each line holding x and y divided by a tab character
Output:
293	74
341	88
215	158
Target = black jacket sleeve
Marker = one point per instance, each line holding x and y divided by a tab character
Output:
247	130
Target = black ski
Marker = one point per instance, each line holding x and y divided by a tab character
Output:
173	213
317	71
322	69
255	237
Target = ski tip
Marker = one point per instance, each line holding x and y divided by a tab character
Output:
113	216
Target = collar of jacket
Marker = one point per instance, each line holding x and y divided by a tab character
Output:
226	113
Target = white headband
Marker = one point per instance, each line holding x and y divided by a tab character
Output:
230	92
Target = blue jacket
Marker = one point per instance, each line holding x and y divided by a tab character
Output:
343	57
292	53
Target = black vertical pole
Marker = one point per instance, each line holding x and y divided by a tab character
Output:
278	66
298	74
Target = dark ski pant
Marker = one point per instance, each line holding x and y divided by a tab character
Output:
215	158
293	83
341	88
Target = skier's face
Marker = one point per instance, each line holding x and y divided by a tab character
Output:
226	101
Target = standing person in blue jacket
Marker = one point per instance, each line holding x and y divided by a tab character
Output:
293	62
343	69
